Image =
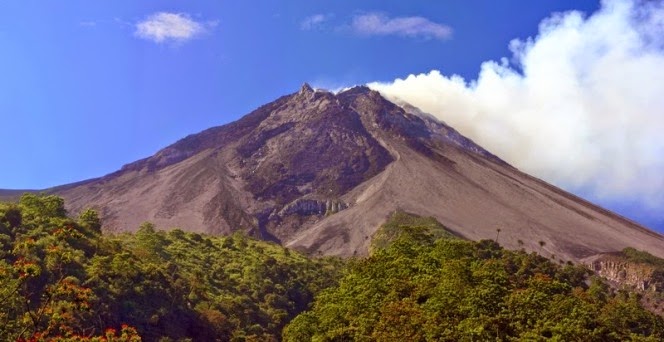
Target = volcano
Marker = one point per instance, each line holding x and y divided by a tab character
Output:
320	172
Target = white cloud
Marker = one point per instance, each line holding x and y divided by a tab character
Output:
378	24
163	26
314	21
581	106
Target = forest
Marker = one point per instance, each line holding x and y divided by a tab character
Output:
61	279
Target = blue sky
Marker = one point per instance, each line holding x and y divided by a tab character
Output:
89	86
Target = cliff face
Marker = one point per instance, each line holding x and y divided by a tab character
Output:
635	271
308	207
622	272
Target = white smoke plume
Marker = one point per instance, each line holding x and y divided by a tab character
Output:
581	105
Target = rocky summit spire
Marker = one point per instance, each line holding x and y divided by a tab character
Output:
306	88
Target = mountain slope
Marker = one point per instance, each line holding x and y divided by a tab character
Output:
320	172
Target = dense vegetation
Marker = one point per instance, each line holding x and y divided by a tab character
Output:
651	268
400	221
422	289
60	279
641	257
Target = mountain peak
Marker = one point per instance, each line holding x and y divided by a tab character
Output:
306	88
320	171
358	89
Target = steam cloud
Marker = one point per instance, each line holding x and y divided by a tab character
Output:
581	105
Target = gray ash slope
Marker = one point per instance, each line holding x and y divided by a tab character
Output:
320	172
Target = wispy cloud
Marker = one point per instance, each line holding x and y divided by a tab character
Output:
88	23
379	24
177	27
314	21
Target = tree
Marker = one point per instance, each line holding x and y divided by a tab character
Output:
541	244
89	219
42	206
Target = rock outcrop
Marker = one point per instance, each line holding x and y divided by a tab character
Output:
622	272
307	207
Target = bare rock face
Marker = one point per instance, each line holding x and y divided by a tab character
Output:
642	275
307	207
293	157
314	145
618	270
320	172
